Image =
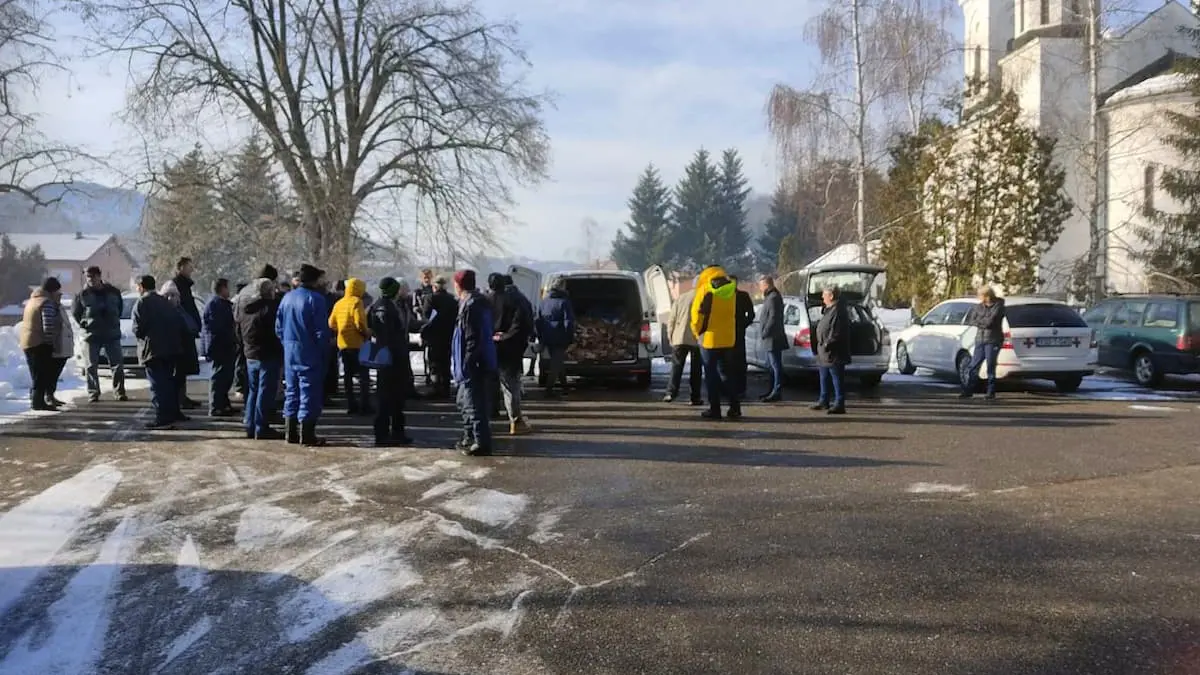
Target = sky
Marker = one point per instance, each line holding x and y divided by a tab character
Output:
633	83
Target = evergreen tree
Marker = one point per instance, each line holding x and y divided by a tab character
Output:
19	269
731	213
1172	239
183	220
698	238
257	214
643	242
784	221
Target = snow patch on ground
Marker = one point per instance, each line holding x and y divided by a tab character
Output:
490	507
399	632
936	488
1151	408
346	589
184	642
447	464
544	534
34	531
188	573
262	526
349	496
79	618
414	474
442	489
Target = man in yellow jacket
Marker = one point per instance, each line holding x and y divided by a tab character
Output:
714	321
348	320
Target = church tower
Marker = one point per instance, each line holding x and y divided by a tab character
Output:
988	31
1049	19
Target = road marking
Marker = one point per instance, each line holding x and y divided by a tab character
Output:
1151	408
936	488
33	532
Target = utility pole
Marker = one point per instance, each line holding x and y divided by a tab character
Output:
860	168
1097	236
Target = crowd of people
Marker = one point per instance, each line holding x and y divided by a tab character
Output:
300	334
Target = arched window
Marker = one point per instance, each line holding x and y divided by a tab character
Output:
1149	184
1045	12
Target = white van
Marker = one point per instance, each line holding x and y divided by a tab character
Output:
620	318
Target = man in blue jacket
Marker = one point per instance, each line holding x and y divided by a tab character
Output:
302	325
473	364
218	339
555	326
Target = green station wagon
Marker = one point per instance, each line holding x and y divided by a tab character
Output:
1150	335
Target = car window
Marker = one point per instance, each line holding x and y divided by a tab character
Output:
936	316
792	315
1097	315
1162	315
1194	317
1043	314
1128	314
127	303
956	313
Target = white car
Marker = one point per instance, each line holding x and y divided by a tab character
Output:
129	349
1043	339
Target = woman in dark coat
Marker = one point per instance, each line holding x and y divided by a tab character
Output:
773	336
389	325
187	364
832	343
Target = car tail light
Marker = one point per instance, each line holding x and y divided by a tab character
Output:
645	332
1007	341
1186	343
803	339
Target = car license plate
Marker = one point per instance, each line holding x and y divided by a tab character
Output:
1055	342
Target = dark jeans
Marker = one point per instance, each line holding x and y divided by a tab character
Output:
240	373
352	370
473	405
40	360
509	384
262	385
833	385
56	370
389	417
739	368
775	361
552	365
691	354
983	352
116	364
718	366
220	383
164	390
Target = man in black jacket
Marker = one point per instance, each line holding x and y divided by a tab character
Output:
440	312
513	328
420	300
97	310
159	328
190	365
744	308
988	319
832	346
255	316
218	339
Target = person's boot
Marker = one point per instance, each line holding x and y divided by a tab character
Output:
519	427
668	398
292	431
268	434
837	409
819	405
711	414
735	412
477	450
309	437
463	444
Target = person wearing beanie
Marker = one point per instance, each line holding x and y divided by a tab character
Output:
473	363
388	327
555	327
440	313
302	324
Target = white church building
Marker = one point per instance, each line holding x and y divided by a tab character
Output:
1037	49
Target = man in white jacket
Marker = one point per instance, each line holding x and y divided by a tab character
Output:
684	347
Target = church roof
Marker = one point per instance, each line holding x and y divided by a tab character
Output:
1166	83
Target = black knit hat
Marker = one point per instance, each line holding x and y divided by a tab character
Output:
268	272
310	275
496	281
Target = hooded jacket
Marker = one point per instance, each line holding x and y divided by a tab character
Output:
348	320
98	313
555	320
218	335
159	327
714	309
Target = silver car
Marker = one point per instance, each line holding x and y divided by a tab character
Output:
871	348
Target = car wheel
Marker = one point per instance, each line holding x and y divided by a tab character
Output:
1068	385
963	365
1145	370
903	362
870	380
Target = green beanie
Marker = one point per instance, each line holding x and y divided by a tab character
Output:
389	287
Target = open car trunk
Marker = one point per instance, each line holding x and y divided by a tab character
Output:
608	314
855	285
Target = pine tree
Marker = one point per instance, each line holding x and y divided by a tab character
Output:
19	269
643	242
1172	239
698	238
183	220
905	243
731	213
257	214
784	221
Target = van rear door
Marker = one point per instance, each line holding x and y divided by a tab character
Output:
660	298
529	282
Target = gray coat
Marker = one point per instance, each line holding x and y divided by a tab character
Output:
770	321
159	328
989	321
833	336
98	313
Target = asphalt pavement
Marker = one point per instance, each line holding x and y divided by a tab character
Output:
1039	534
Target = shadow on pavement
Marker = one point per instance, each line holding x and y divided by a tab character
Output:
183	620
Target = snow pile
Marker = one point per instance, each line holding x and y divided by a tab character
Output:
15	381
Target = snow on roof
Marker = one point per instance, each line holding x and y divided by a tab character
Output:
1167	83
70	247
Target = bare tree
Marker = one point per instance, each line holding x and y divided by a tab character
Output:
876	53
357	98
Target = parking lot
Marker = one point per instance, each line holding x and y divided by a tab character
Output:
1042	533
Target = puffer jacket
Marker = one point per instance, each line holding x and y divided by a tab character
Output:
348	320
714	309
98	313
254	313
41	322
679	329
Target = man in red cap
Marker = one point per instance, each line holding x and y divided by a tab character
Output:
473	363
